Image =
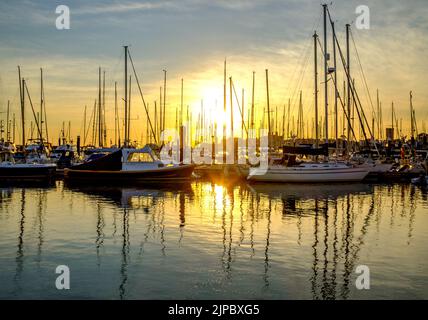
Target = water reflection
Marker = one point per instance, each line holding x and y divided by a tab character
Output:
258	235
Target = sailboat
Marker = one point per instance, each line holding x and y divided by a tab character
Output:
10	171
310	172
31	169
288	170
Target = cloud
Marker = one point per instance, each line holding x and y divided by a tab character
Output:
123	7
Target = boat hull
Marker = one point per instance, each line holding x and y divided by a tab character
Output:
296	175
27	173
183	172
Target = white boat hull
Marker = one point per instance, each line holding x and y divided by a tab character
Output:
308	175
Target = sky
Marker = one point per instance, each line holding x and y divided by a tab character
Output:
191	39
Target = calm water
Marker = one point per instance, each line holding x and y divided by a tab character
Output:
206	240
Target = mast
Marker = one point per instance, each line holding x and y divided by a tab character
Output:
392	121
412	126
13	128
378	113
316	89
349	84
224	110
116	120
252	101
22	98
288	118
283	123
104	110
23	113
326	58
129	110
336	120
243	112
156	121
94	125
268	106
164	102
7	122
231	110
159	126
84	127
126	97
100	136
41	105
181	104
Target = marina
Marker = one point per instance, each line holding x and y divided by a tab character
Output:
205	240
209	180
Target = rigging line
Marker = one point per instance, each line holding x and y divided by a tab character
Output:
362	71
239	106
295	95
354	93
342	104
304	57
142	97
306	51
89	127
34	114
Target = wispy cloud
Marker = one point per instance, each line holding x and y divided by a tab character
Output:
124	7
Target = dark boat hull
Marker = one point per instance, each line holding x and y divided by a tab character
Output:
183	172
32	174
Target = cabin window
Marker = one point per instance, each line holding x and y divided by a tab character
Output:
140	157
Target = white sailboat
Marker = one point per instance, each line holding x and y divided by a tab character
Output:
309	172
290	171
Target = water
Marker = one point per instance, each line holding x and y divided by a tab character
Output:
207	240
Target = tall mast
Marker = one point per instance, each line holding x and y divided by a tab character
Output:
129	110
378	113
392	121
243	112
288	117
104	133
181	105
164	101
349	84
94	125
7	122
159	126
126	97
283	123
23	113
41	105
326	58
252	101
156	122
13	128
412	126
116	120
268	105
84	127
231	110
336	119
316	89
100	136
22	98
224	110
